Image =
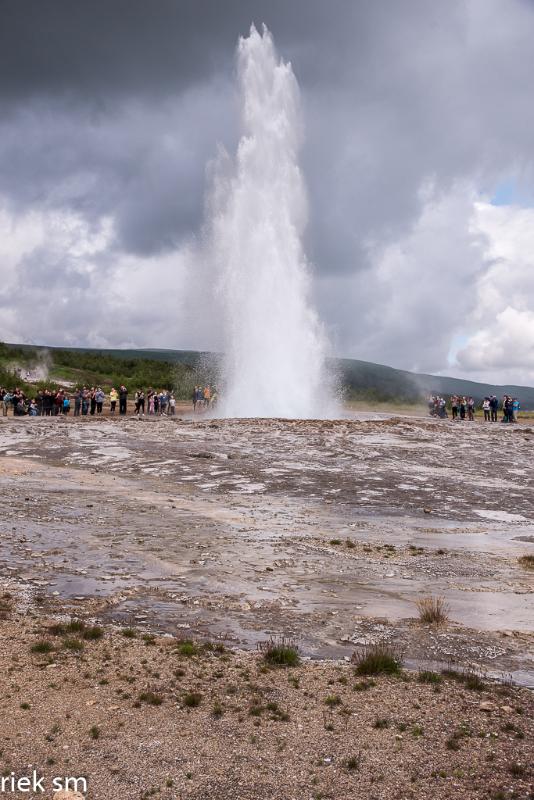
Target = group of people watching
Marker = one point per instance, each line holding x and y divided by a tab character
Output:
204	397
464	408
85	401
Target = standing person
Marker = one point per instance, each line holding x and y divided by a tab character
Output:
58	403
194	398
163	403
136	403
454	406
66	404
141	402
463	407
207	396
508	410
150	401
515	408
92	400
113	397
156	403
6	402
471	408
494	407
15	398
123	399
77	402
99	399
172	405
486	409
85	401
47	403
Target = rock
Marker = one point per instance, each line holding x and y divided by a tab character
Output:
67	794
203	454
488	706
507	709
427	510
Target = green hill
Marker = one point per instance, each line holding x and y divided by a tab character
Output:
30	365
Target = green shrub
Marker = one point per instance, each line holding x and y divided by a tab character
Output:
150	698
192	699
378	659
280	652
43	647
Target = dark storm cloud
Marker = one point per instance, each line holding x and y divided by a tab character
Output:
113	108
393	93
98	47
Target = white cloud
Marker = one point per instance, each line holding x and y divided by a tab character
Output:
501	344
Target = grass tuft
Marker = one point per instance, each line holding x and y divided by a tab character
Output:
188	649
427	676
42	647
353	763
192	699
433	610
76	645
526	561
280	652
150	698
93	633
378	659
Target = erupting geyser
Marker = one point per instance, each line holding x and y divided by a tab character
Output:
275	348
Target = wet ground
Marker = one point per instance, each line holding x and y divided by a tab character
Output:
324	531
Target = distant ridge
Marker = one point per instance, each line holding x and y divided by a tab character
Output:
360	379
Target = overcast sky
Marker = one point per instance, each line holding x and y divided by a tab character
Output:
418	158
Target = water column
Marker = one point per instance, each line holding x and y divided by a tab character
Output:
275	349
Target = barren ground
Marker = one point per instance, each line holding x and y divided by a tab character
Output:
231	531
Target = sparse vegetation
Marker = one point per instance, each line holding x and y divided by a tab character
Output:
527	561
433	610
332	700
188	649
280	652
353	763
378	659
381	723
42	647
192	699
217	711
73	644
93	633
363	686
150	698
516	769
427	676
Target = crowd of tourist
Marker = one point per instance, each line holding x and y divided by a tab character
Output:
84	401
464	408
203	397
